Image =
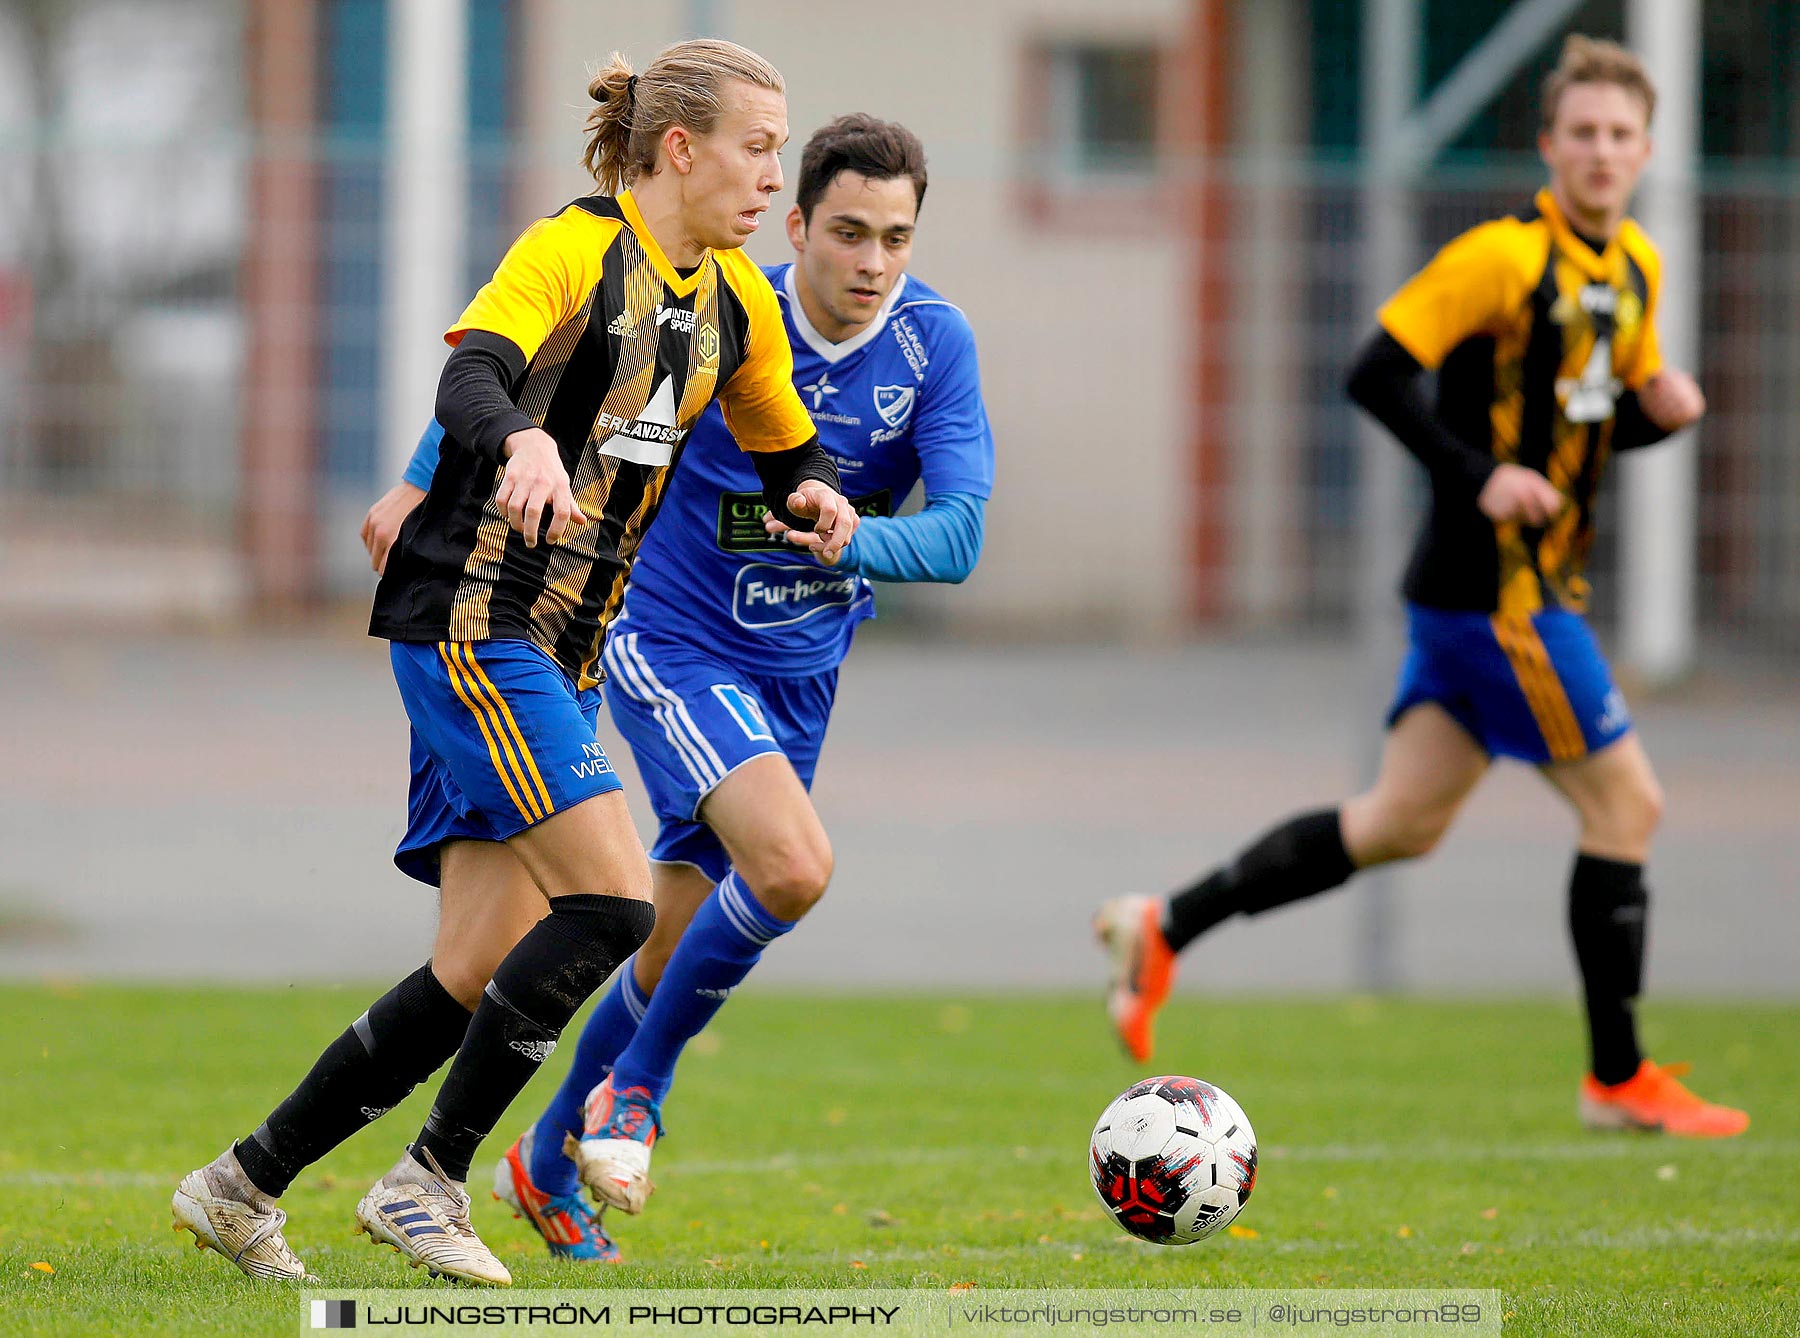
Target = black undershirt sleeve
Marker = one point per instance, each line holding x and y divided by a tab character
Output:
1632	428
783	471
474	398
1385	381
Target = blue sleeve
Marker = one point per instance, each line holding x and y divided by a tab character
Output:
940	543
950	426
424	460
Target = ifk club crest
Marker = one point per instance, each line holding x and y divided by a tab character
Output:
894	403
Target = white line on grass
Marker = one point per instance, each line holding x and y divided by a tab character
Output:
1451	1153
1615	1147
1643	1239
84	1179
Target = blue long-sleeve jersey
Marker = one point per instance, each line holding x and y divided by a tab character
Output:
941	543
898	403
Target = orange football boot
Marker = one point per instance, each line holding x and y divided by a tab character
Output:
1130	929
1654	1099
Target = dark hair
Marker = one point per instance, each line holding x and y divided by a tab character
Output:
685	86
879	150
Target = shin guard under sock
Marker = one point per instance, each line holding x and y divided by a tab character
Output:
402	1040
1608	907
536	989
608	1031
717	950
1301	858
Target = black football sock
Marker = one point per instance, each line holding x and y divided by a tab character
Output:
401	1041
1608	909
1301	858
536	989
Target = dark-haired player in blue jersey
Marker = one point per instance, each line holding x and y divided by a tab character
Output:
723	664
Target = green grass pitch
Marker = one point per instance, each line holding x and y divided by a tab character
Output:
927	1141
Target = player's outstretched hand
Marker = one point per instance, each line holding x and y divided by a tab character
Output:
1671	399
535	479
834	521
382	525
1514	492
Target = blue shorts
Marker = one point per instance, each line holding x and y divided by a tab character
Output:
501	739
1535	688
692	719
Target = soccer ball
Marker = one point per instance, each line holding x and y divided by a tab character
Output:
1173	1160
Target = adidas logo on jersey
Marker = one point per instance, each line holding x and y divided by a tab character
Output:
536	1051
678	319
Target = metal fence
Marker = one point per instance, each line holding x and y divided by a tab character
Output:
1748	508
123	375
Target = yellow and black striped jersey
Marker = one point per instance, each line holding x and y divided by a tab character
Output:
623	352
1534	336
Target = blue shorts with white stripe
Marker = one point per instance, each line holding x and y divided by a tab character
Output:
692	719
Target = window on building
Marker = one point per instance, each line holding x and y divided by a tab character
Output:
1101	100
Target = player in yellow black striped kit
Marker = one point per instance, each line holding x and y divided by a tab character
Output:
1541	328
576	375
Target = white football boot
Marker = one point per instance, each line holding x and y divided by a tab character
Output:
424	1215
229	1214
618	1129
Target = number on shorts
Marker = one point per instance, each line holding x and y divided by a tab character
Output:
745	709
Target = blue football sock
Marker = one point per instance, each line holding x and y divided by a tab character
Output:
609	1030
727	936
